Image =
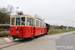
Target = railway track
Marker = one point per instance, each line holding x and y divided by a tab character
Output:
9	44
5	45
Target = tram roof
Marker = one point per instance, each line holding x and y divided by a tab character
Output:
24	16
19	16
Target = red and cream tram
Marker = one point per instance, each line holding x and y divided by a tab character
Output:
25	26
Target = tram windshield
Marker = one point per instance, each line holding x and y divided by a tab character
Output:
20	20
17	21
23	21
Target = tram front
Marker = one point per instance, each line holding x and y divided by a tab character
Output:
17	24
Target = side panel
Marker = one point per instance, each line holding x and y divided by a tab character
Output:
39	31
28	31
45	30
32	31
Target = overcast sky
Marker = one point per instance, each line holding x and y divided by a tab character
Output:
55	12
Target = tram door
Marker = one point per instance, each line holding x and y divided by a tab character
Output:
32	27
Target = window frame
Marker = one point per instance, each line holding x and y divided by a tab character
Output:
43	24
35	23
24	22
40	23
11	21
15	20
30	21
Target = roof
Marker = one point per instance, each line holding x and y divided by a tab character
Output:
4	24
25	15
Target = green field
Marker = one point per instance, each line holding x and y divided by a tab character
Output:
73	33
56	31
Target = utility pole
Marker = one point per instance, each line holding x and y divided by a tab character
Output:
72	24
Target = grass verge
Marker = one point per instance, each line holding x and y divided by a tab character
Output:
73	33
4	33
56	31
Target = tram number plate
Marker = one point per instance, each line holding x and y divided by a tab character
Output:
17	31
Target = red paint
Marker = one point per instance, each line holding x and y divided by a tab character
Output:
17	15
28	31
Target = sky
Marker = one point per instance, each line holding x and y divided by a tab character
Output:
55	12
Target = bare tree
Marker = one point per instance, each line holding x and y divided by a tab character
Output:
3	10
10	9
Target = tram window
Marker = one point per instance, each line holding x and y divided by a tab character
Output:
40	24
18	21
13	21
32	22
23	21
28	21
37	23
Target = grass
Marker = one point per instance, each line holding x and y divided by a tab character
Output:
56	31
4	33
73	33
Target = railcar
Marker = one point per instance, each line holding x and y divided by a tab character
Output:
26	26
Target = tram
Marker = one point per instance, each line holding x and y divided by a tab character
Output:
26	26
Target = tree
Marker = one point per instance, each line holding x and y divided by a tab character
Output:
10	9
61	27
5	14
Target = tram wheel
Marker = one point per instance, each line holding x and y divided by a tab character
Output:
32	37
47	33
14	38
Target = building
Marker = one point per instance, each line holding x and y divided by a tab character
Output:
4	26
